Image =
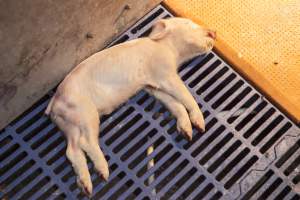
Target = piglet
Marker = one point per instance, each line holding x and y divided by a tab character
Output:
102	82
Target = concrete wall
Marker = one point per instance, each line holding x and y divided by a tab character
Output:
42	40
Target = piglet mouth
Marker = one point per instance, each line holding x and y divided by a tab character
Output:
209	45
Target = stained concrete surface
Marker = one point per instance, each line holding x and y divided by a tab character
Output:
41	41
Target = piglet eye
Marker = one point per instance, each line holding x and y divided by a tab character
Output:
194	26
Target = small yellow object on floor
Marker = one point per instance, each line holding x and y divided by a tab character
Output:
261	39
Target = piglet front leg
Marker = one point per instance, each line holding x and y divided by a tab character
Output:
177	109
173	85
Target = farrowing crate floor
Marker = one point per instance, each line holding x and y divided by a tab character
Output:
250	149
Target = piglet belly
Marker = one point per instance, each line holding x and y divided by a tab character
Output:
109	99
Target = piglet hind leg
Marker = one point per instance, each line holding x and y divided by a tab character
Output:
81	128
89	142
75	154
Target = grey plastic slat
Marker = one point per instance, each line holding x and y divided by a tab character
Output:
30	115
239	105
9	173
13	148
134	142
269	135
290	161
60	162
257	116
98	187
12	156
173	180
123	137
117	127
186	154
228	86
217	83
202	139
36	124
128	192
21	177
165	173
30	185
157	165
266	185
278	191
190	65
50	140
53	152
246	112
115	188
219	154
182	189
200	71
41	134
208	77
211	194
290	196
144	148
151	156
41	190
196	191
263	126
234	170
232	97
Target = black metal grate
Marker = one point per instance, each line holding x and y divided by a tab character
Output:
249	151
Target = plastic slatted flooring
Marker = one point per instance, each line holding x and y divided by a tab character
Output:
249	151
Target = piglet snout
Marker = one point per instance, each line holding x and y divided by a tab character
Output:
212	34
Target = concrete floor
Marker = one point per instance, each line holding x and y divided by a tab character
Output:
41	41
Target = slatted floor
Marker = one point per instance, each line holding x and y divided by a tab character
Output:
250	149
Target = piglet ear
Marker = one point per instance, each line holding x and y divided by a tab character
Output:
159	30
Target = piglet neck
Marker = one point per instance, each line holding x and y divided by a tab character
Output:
180	52
172	48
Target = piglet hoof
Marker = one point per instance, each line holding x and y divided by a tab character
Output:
102	177
186	129
103	172
85	186
198	121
